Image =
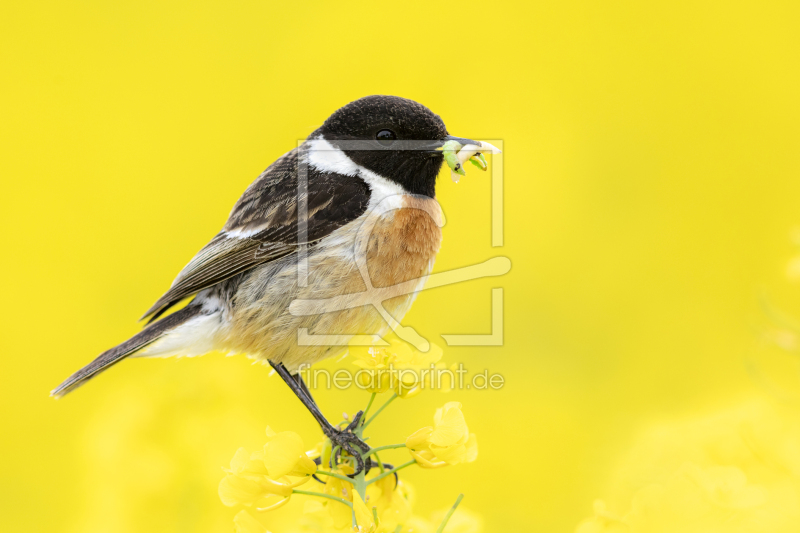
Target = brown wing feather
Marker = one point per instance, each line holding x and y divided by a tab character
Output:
219	260
267	213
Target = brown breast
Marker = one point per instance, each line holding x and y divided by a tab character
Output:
404	242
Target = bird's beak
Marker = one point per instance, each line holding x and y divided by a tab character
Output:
435	146
460	140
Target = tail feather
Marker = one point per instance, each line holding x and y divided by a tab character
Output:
147	336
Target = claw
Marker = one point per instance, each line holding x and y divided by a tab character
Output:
345	439
353	425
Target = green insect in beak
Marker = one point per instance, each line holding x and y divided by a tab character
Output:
450	150
479	161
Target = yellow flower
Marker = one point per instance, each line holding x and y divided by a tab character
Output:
364	518
377	372
414	358
284	455
398	366
414	371
244	522
393	501
447	442
247	481
264	475
339	512
319	450
244	463
393	504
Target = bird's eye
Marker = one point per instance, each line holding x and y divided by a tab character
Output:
385	137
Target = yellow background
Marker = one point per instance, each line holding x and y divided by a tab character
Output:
652	178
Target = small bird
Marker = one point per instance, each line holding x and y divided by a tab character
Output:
308	208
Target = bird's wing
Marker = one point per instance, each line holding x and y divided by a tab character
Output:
263	225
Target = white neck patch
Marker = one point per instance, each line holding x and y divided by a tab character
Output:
325	157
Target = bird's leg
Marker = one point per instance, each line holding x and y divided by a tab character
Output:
299	379
345	438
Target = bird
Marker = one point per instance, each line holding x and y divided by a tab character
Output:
372	164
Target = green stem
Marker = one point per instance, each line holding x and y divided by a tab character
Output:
380	463
449	513
333	456
398	528
321	495
390	472
384	406
360	486
371	399
381	448
333	474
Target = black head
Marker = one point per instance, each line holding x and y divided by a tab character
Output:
387	128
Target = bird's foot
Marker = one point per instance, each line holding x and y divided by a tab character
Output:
347	440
